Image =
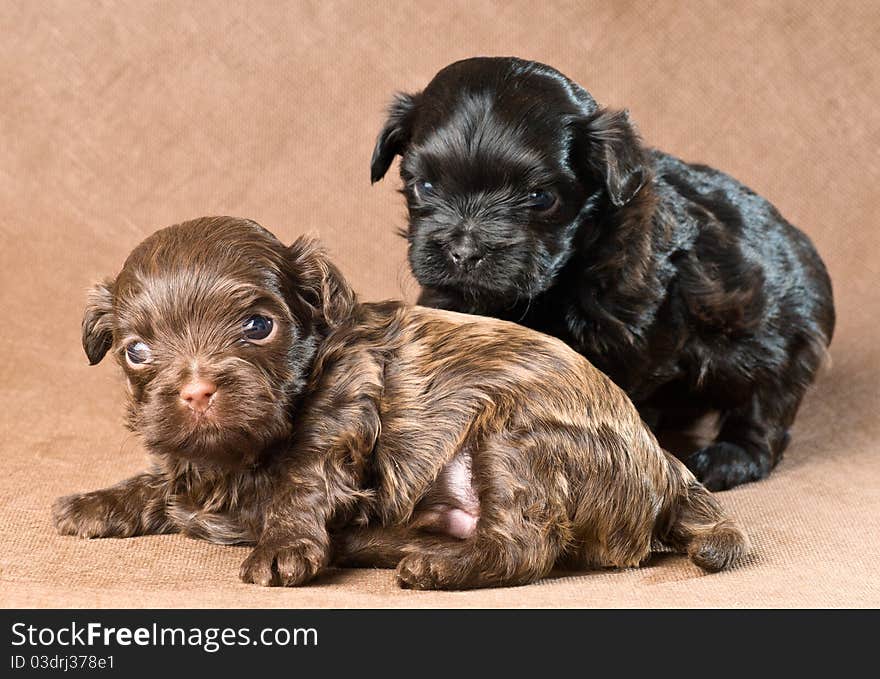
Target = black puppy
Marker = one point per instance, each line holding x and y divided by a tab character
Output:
529	202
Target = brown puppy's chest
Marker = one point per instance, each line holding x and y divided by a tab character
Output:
221	507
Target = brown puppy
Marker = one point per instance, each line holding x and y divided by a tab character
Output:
468	452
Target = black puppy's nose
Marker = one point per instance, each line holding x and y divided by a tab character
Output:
465	254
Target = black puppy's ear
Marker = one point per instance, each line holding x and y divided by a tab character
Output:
97	323
318	284
615	152
394	137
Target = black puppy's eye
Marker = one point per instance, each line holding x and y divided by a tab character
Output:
138	353
423	189
257	327
541	200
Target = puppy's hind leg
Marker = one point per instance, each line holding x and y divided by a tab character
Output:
521	532
754	435
380	546
750	443
740	454
701	529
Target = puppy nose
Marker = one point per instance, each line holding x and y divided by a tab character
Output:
198	393
465	254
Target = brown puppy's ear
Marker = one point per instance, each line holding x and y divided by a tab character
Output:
318	284
394	137
97	323
614	150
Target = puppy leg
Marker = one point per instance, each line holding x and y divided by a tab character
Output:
750	443
381	547
294	545
753	436
520	533
327	463
136	506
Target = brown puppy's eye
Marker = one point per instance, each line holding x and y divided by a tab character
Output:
138	354
423	189
541	200
257	328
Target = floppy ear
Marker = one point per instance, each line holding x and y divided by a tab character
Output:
97	323
615	152
318	284
394	137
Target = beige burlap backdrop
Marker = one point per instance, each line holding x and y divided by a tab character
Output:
117	118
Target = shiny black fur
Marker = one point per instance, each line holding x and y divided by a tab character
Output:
688	289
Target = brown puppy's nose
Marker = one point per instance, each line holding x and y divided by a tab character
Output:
197	394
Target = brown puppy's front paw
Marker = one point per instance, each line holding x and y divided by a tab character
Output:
88	515
287	566
426	571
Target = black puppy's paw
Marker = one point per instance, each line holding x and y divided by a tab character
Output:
725	465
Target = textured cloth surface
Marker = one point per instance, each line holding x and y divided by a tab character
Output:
119	118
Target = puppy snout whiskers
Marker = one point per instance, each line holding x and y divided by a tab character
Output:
198	394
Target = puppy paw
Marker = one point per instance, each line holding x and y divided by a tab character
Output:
725	465
285	566
88	515
426	571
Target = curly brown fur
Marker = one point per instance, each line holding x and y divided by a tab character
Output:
529	202
465	451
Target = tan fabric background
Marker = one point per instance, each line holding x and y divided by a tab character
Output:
119	118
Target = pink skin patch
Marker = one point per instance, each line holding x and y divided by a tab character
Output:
452	506
450	520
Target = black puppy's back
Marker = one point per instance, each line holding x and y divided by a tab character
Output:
741	241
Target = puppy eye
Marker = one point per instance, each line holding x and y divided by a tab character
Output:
541	200
424	189
257	328
138	353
